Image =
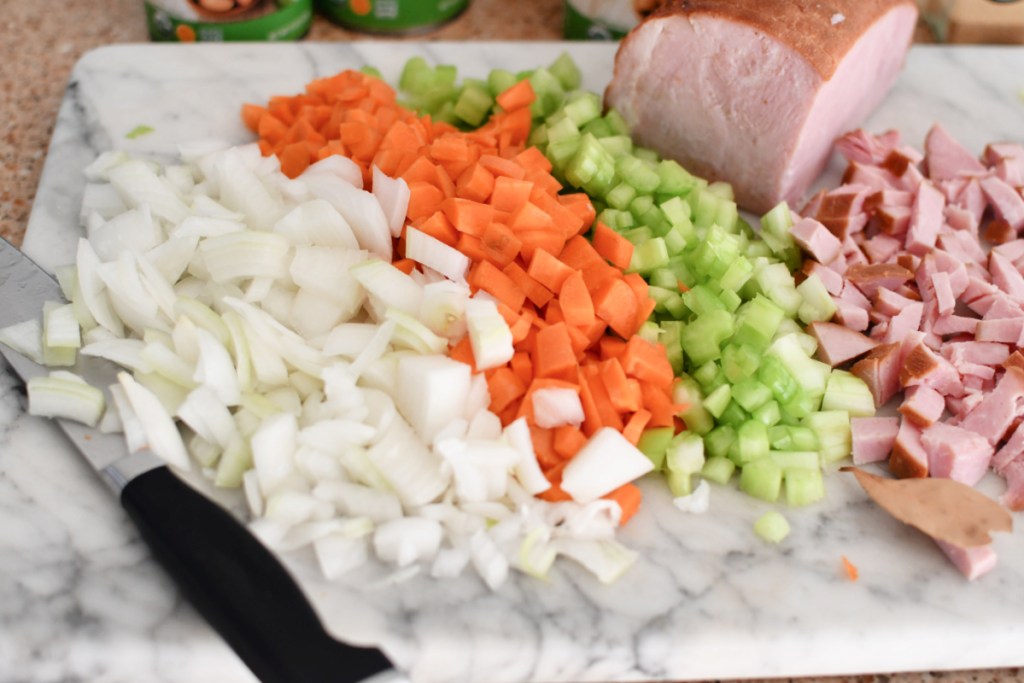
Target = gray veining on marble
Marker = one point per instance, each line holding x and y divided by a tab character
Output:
706	600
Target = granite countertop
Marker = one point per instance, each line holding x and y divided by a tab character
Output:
92	605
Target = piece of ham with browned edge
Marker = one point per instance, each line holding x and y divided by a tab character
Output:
754	92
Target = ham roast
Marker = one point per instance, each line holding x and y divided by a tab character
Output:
755	92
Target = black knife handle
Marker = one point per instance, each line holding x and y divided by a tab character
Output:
240	587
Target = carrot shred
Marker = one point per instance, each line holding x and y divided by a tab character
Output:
634	428
852	573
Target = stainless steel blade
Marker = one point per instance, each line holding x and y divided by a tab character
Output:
24	288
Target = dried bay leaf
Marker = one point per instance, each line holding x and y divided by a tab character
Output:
944	509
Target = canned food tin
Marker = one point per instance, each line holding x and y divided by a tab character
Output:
189	21
394	17
604	19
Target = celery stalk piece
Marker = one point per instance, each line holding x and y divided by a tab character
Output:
848	392
832	428
719	441
761	479
716	402
801	460
718	469
817	302
566	71
772	527
769	414
751	394
654	444
804	486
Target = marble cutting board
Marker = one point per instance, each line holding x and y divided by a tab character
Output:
707	599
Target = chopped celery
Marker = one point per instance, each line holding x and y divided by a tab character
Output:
719	441
832	428
718	469
769	414
804	486
848	392
716	402
751	394
566	71
787	460
649	256
752	442
772	527
762	479
654	444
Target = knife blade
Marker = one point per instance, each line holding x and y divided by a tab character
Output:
234	581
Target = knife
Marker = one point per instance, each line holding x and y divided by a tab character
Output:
235	582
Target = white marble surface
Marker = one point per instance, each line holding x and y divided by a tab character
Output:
80	599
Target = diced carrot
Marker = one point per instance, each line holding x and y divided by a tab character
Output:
611	347
580	341
579	203
530	217
424	198
502	167
439	227
615	248
463	352
251	115
532	159
271	128
615	304
487	277
548	270
472	246
505	387
598	275
522	326
510	194
294	159
609	416
629	497
405	265
578	253
549	240
476	183
544	447
850	569
644	303
501	244
554	356
518	96
574	299
594	333
522	366
615	380
468	216
450	148
555	494
543	181
568	440
658	402
634	428
647	362
591	415
422	170
537	293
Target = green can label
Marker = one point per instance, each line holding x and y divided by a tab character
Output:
602	19
189	21
392	16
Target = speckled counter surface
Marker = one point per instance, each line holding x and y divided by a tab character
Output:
43	39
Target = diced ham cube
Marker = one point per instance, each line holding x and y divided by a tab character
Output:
880	370
1012	250
838	344
893	220
1000	306
993	416
984	353
1007	330
888	198
925	220
881	248
909	458
873	438
875	177
842	209
1016	360
1010	172
960	218
956	453
816	240
889	302
853	253
946	157
975	375
907	320
963	245
922	366
972	199
832	280
865	148
869	278
971	562
1003	151
1013	498
851	294
851	316
922	405
954	324
1005	201
1006	277
944	296
1010	451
